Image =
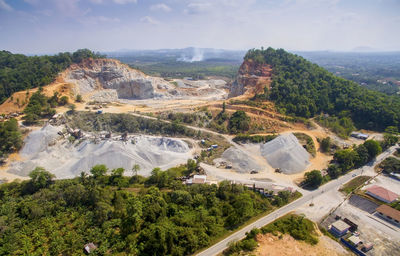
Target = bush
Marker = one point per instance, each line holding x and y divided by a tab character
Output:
325	144
239	122
313	179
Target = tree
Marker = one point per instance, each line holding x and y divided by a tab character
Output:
191	166
72	108
136	169
392	130
40	178
10	137
363	155
334	171
239	122
313	179
78	98
325	144
346	158
373	148
389	140
63	101
98	170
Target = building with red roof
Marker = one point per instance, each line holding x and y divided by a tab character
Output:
382	194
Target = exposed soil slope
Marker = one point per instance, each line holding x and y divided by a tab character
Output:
251	79
270	245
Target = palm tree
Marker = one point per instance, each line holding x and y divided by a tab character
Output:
135	169
83	177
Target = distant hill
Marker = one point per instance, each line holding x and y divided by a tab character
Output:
304	89
19	72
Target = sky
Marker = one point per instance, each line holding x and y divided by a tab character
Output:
51	26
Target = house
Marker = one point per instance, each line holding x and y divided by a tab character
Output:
382	194
355	240
90	247
339	228
388	213
197	179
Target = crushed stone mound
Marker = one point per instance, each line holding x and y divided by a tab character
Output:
240	161
286	153
39	140
47	149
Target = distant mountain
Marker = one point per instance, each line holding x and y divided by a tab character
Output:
364	49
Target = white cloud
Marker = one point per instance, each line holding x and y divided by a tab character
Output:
196	8
5	6
125	1
160	7
149	20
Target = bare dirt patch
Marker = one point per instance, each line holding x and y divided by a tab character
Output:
270	245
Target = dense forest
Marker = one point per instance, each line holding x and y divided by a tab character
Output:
123	215
19	72
10	137
305	89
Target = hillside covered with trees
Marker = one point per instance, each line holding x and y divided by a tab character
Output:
19	72
304	89
123	215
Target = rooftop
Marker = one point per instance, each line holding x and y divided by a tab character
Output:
383	193
389	211
340	225
355	240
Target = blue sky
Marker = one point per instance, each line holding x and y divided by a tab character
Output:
49	26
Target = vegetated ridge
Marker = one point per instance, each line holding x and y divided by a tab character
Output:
19	72
304	89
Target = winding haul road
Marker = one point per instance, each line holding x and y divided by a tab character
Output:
332	185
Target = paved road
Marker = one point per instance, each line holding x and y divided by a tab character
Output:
333	185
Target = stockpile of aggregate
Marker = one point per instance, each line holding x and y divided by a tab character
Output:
240	161
286	153
45	148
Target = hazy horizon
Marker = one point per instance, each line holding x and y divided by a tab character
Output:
51	26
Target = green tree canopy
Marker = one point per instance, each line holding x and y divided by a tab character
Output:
373	148
40	178
304	89
313	178
239	122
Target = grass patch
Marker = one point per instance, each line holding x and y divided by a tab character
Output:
353	184
307	142
327	233
245	138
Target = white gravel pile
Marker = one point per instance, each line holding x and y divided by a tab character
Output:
286	153
240	161
66	160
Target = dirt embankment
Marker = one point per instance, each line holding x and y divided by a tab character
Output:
18	101
251	79
270	245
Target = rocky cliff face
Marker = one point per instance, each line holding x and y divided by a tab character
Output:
93	74
252	78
